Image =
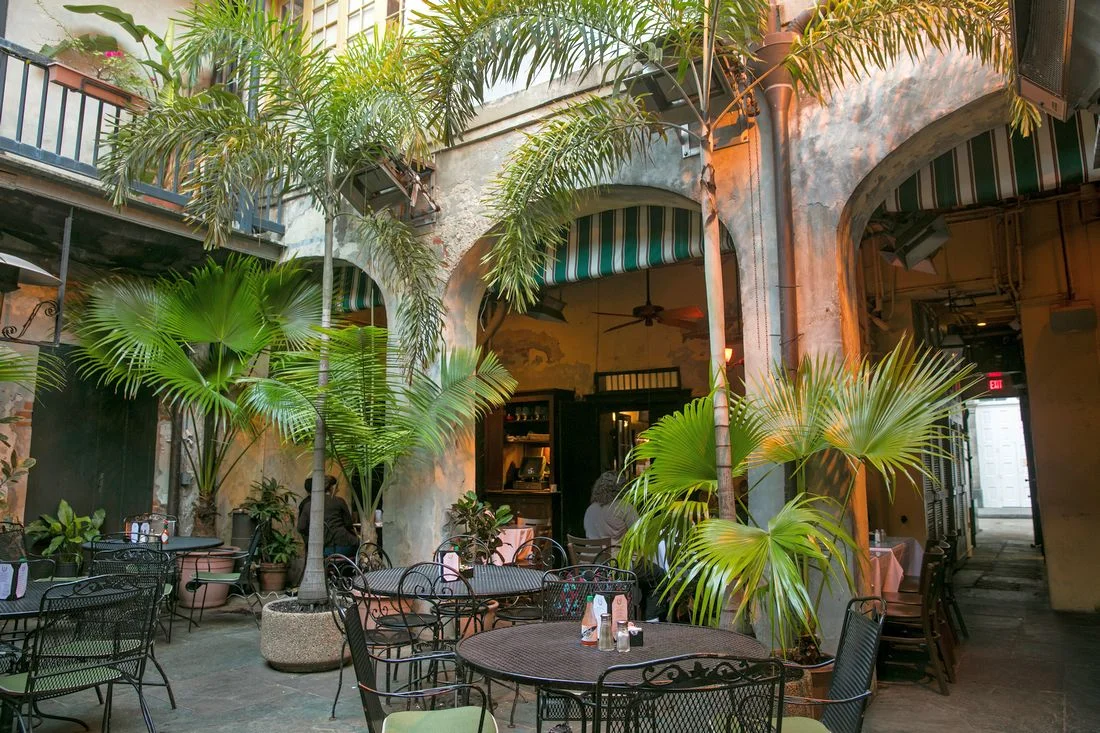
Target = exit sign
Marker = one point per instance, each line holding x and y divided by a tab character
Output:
995	381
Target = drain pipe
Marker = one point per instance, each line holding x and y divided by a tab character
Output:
778	91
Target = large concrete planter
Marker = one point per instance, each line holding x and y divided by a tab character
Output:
293	639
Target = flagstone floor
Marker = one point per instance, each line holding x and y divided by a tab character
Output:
1024	670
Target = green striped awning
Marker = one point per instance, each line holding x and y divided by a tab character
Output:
625	240
355	291
999	164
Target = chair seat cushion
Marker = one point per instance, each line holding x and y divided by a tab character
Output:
76	678
204	577
453	720
798	724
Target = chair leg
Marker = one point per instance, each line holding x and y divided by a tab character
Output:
163	676
937	664
340	680
145	710
106	725
954	604
36	713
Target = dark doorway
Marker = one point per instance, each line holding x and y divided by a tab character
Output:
94	449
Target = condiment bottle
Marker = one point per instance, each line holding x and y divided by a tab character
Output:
588	624
607	638
164	536
622	638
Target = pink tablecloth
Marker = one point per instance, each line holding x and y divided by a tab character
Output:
909	553
886	570
512	538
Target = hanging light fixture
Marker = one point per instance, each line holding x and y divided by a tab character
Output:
548	308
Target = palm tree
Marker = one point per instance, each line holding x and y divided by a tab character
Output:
195	340
700	50
886	416
307	120
371	418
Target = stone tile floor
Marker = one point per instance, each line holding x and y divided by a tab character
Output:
1025	669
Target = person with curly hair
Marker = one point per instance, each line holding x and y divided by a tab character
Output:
607	516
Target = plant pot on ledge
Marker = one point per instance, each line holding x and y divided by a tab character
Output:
272	576
78	81
299	638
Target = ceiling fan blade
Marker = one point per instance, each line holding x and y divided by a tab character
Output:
622	325
688	312
677	322
621	315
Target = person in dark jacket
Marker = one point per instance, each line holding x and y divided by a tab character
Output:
340	535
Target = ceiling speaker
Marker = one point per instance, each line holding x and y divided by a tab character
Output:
1042	31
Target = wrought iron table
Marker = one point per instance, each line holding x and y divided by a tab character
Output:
489	581
551	655
174	544
28	605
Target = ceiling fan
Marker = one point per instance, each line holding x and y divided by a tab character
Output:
685	317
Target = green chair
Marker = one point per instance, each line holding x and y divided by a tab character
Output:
241	582
424	686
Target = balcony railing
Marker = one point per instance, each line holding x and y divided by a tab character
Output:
62	127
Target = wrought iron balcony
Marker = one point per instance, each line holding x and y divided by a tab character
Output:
58	118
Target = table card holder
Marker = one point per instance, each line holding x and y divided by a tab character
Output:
599	608
13	579
619	610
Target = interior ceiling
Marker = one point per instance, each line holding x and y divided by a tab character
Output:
33	228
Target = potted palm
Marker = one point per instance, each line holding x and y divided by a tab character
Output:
271	505
63	536
884	417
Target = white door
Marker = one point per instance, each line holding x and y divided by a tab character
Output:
1002	460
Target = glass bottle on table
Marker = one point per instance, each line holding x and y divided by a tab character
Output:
607	636
588	624
622	638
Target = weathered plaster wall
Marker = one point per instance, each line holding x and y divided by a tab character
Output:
544	355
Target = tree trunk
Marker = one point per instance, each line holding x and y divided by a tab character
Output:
716	322
312	589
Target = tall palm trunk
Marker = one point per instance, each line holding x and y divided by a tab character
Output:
716	322
312	589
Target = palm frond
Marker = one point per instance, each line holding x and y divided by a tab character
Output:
535	196
793	409
889	414
406	261
31	371
764	568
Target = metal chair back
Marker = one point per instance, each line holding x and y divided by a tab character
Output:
585	551
690	693
90	632
854	664
472	550
565	591
139	562
440	597
365	672
540	553
371	556
340	575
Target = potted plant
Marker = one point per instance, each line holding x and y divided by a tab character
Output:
64	536
271	504
478	520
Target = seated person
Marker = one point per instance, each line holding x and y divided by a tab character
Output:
340	536
606	516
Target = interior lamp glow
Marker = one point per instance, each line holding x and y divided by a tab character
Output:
729	354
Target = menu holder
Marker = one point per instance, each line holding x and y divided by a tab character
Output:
13	580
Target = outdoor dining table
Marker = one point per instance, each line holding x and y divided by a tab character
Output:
29	604
488	581
174	544
892	560
550	654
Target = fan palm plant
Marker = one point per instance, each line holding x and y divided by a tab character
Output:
886	416
36	373
700	49
306	119
194	340
372	418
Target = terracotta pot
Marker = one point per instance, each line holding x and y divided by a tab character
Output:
470	626
272	576
78	81
214	561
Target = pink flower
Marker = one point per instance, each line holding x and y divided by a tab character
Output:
114	54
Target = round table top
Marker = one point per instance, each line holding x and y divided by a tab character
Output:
29	604
174	544
489	581
550	654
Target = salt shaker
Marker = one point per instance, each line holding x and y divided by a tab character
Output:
606	640
622	638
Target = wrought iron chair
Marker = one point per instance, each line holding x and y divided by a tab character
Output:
348	592
564	595
917	624
241	582
538	553
853	668
157	569
423	687
112	541
429	602
371	556
689	693
585	551
91	632
471	550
